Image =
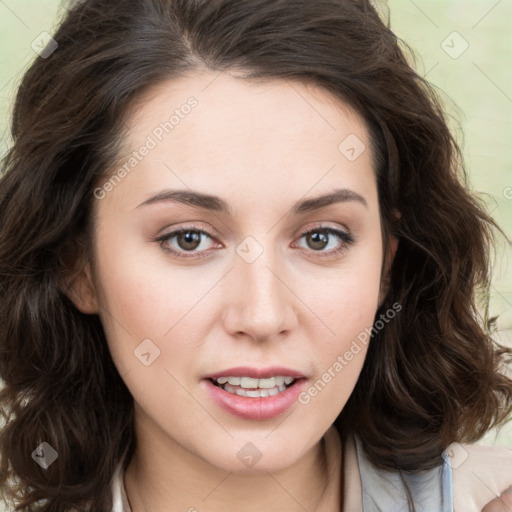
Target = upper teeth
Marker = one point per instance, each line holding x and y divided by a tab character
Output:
250	383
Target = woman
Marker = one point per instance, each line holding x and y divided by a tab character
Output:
239	270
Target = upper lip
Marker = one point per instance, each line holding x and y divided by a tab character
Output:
256	373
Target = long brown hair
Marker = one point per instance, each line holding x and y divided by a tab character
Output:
431	376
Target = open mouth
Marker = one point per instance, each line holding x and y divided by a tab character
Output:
254	388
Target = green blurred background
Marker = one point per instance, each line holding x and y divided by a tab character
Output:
462	47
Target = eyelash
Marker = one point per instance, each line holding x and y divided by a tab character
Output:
345	238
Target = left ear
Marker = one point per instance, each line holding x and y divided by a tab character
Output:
391	249
76	277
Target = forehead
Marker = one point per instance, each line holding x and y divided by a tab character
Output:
226	102
267	137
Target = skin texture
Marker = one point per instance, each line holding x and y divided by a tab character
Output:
501	504
261	147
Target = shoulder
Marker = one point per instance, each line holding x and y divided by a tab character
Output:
480	474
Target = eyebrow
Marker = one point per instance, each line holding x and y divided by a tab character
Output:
217	204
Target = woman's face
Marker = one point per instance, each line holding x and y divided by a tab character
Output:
245	291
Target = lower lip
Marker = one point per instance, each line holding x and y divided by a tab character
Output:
259	408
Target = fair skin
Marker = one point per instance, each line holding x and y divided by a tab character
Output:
501	504
261	148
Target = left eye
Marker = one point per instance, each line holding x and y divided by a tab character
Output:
320	237
188	240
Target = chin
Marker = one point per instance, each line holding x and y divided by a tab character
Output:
252	454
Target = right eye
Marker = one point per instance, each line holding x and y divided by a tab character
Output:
186	240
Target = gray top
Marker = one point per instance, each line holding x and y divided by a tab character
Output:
384	491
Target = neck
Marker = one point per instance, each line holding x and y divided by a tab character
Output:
170	478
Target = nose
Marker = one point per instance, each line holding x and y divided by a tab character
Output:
260	301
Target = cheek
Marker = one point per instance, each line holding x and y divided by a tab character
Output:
146	298
137	290
346	306
347	300
142	308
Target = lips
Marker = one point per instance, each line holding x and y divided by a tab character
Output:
256	373
255	393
